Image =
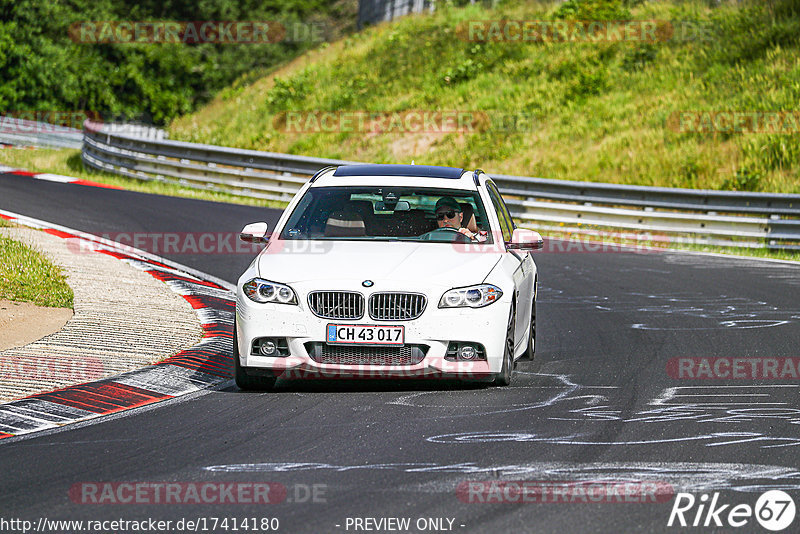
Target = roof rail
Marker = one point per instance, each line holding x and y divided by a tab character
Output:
321	171
475	174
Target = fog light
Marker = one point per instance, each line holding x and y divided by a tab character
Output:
268	348
468	352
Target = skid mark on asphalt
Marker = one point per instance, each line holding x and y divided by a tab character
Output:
562	385
723	404
784	272
673	408
683	476
669	311
714	439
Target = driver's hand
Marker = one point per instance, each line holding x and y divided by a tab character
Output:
467	233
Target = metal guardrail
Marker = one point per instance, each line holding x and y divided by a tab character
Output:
372	11
263	175
22	132
139	131
698	216
27	133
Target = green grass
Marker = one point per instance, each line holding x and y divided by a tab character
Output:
598	111
68	162
27	276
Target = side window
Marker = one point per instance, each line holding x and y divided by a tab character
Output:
506	225
503	206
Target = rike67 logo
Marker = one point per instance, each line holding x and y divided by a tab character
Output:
774	510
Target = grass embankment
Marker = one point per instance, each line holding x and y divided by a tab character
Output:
597	111
68	163
27	276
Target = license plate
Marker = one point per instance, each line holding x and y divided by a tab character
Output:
363	334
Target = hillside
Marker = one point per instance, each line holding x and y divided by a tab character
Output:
603	109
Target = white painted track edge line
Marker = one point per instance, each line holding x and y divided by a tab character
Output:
102	418
39	223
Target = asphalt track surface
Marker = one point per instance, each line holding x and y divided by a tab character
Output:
596	404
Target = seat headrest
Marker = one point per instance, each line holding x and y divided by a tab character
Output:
345	224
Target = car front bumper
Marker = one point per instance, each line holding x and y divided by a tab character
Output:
435	329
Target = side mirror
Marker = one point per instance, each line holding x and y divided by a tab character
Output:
523	239
254	233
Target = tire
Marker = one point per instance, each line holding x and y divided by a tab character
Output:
531	348
240	376
503	378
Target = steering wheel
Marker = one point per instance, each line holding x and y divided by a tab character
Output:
441	234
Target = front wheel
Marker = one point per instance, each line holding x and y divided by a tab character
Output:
240	376
503	378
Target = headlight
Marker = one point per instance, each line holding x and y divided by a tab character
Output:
471	297
260	290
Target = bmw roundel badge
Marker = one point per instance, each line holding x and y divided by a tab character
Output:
367	283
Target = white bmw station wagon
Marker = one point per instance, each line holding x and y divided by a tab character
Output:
384	271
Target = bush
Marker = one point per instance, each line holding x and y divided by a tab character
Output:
640	57
593	10
43	69
287	92
745	179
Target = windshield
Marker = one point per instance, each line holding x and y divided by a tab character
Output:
387	214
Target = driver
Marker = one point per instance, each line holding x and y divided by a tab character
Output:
449	215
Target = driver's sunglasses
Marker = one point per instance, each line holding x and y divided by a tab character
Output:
442	215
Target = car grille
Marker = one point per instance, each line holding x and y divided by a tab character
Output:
396	306
355	355
337	304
